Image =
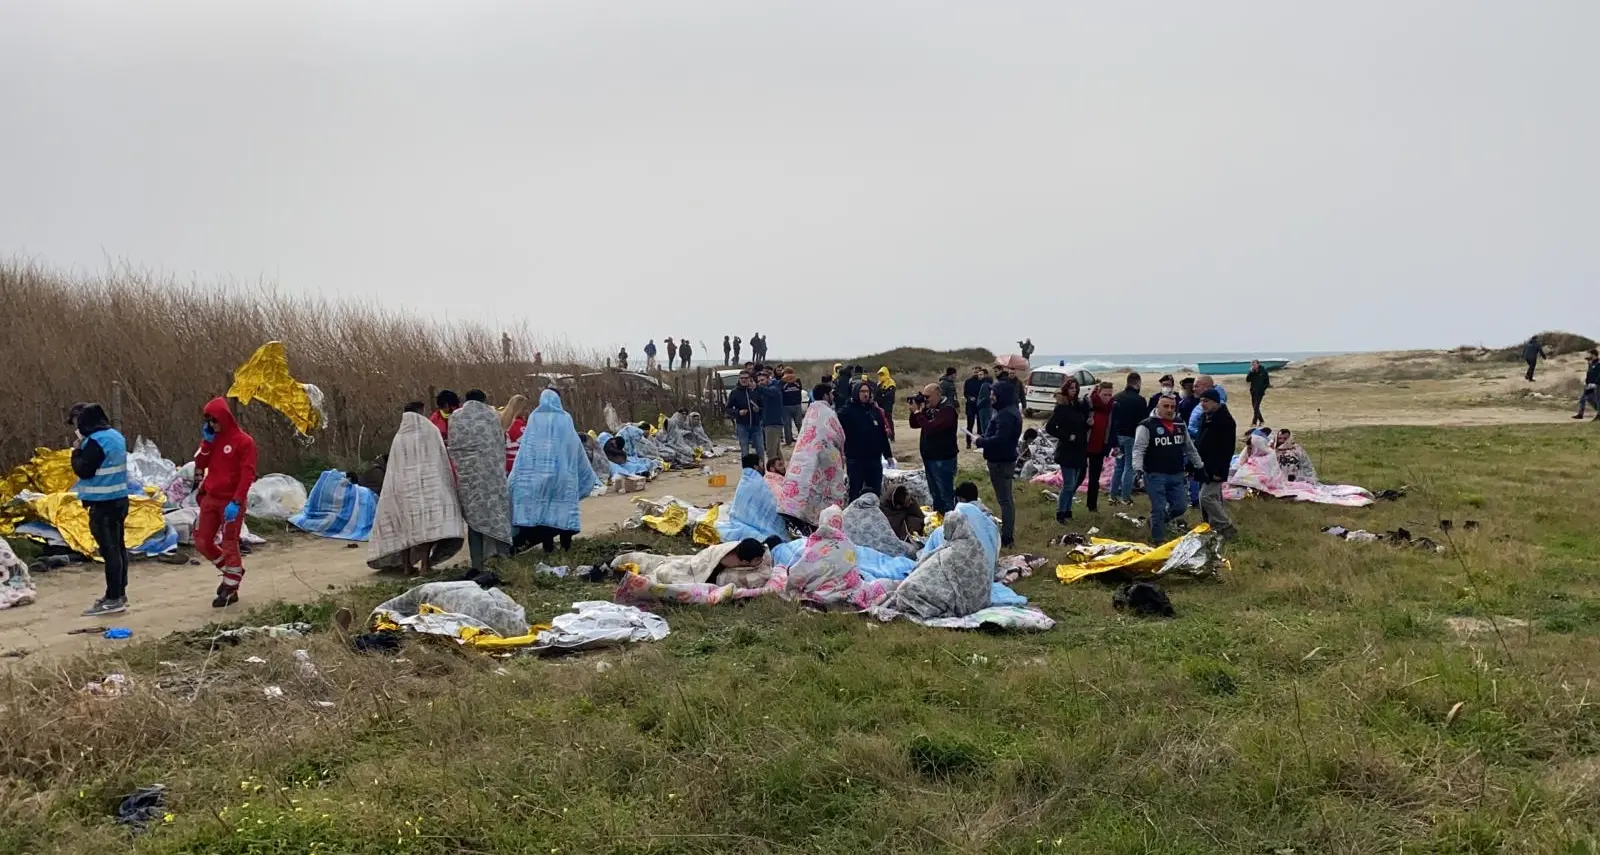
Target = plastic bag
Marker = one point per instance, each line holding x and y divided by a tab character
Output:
148	468
276	497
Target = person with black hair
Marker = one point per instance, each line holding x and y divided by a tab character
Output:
415	407
445	403
478	395
727	352
966	491
738	343
866	442
622	359
100	460
1128	409
999	446
685	353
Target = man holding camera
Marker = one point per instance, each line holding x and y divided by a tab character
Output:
936	416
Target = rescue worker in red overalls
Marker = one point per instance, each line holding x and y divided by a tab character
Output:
227	463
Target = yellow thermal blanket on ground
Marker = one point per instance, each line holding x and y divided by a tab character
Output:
48	472
265	377
1195	553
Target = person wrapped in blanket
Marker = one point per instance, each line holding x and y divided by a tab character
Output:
904	514
625	472
753	513
1295	461
745	563
551	476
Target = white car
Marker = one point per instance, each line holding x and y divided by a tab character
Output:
1043	383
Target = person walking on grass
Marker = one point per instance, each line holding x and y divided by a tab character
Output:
1591	386
1532	352
100	460
1069	424
999	444
1219	435
1260	381
226	462
1162	451
866	442
1128	410
936	417
744	409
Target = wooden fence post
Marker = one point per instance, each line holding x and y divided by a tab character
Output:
116	404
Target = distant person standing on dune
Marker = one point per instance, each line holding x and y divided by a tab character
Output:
622	359
727	352
737	343
650	355
1532	352
1260	381
685	353
672	352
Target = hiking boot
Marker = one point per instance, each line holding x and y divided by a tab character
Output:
1578	416
225	597
1063	516
105	606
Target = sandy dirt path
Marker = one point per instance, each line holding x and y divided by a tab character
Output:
291	567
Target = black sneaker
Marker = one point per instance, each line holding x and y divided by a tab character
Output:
106	607
225	597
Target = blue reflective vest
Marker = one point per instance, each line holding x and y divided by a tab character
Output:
110	481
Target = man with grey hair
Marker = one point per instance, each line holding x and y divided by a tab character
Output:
1202	384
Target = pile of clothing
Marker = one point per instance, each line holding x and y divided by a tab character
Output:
672	517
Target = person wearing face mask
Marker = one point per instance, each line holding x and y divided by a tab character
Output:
1166	389
226	463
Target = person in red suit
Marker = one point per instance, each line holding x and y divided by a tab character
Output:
226	463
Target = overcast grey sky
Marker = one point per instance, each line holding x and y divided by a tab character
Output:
844	176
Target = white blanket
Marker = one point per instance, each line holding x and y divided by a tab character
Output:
418	504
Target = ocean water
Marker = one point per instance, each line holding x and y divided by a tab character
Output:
1165	362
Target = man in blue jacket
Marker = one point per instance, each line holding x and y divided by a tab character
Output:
744	408
100	460
999	444
771	389
1195	419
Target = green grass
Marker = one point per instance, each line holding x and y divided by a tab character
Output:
1313	700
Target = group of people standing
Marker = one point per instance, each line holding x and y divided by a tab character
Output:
224	467
766	410
679	355
731	348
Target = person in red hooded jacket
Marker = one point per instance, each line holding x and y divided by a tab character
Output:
226	462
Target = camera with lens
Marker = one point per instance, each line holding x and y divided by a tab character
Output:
919	399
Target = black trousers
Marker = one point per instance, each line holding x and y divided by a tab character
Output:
866	476
1097	463
1255	405
1531	364
106	525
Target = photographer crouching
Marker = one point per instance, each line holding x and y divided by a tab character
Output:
936	416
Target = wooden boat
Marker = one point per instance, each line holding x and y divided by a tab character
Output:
1240	366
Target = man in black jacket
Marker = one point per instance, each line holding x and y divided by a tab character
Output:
999	446
100	460
744	409
1219	435
1128	409
936	418
1591	386
866	442
969	392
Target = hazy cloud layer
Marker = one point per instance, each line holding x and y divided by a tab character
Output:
1105	177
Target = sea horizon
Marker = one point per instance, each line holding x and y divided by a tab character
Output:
1146	362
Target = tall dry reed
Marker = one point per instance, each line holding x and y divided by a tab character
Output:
171	347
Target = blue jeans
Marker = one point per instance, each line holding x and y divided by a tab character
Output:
1071	480
1194	492
750	440
1169	498
941	483
1122	476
